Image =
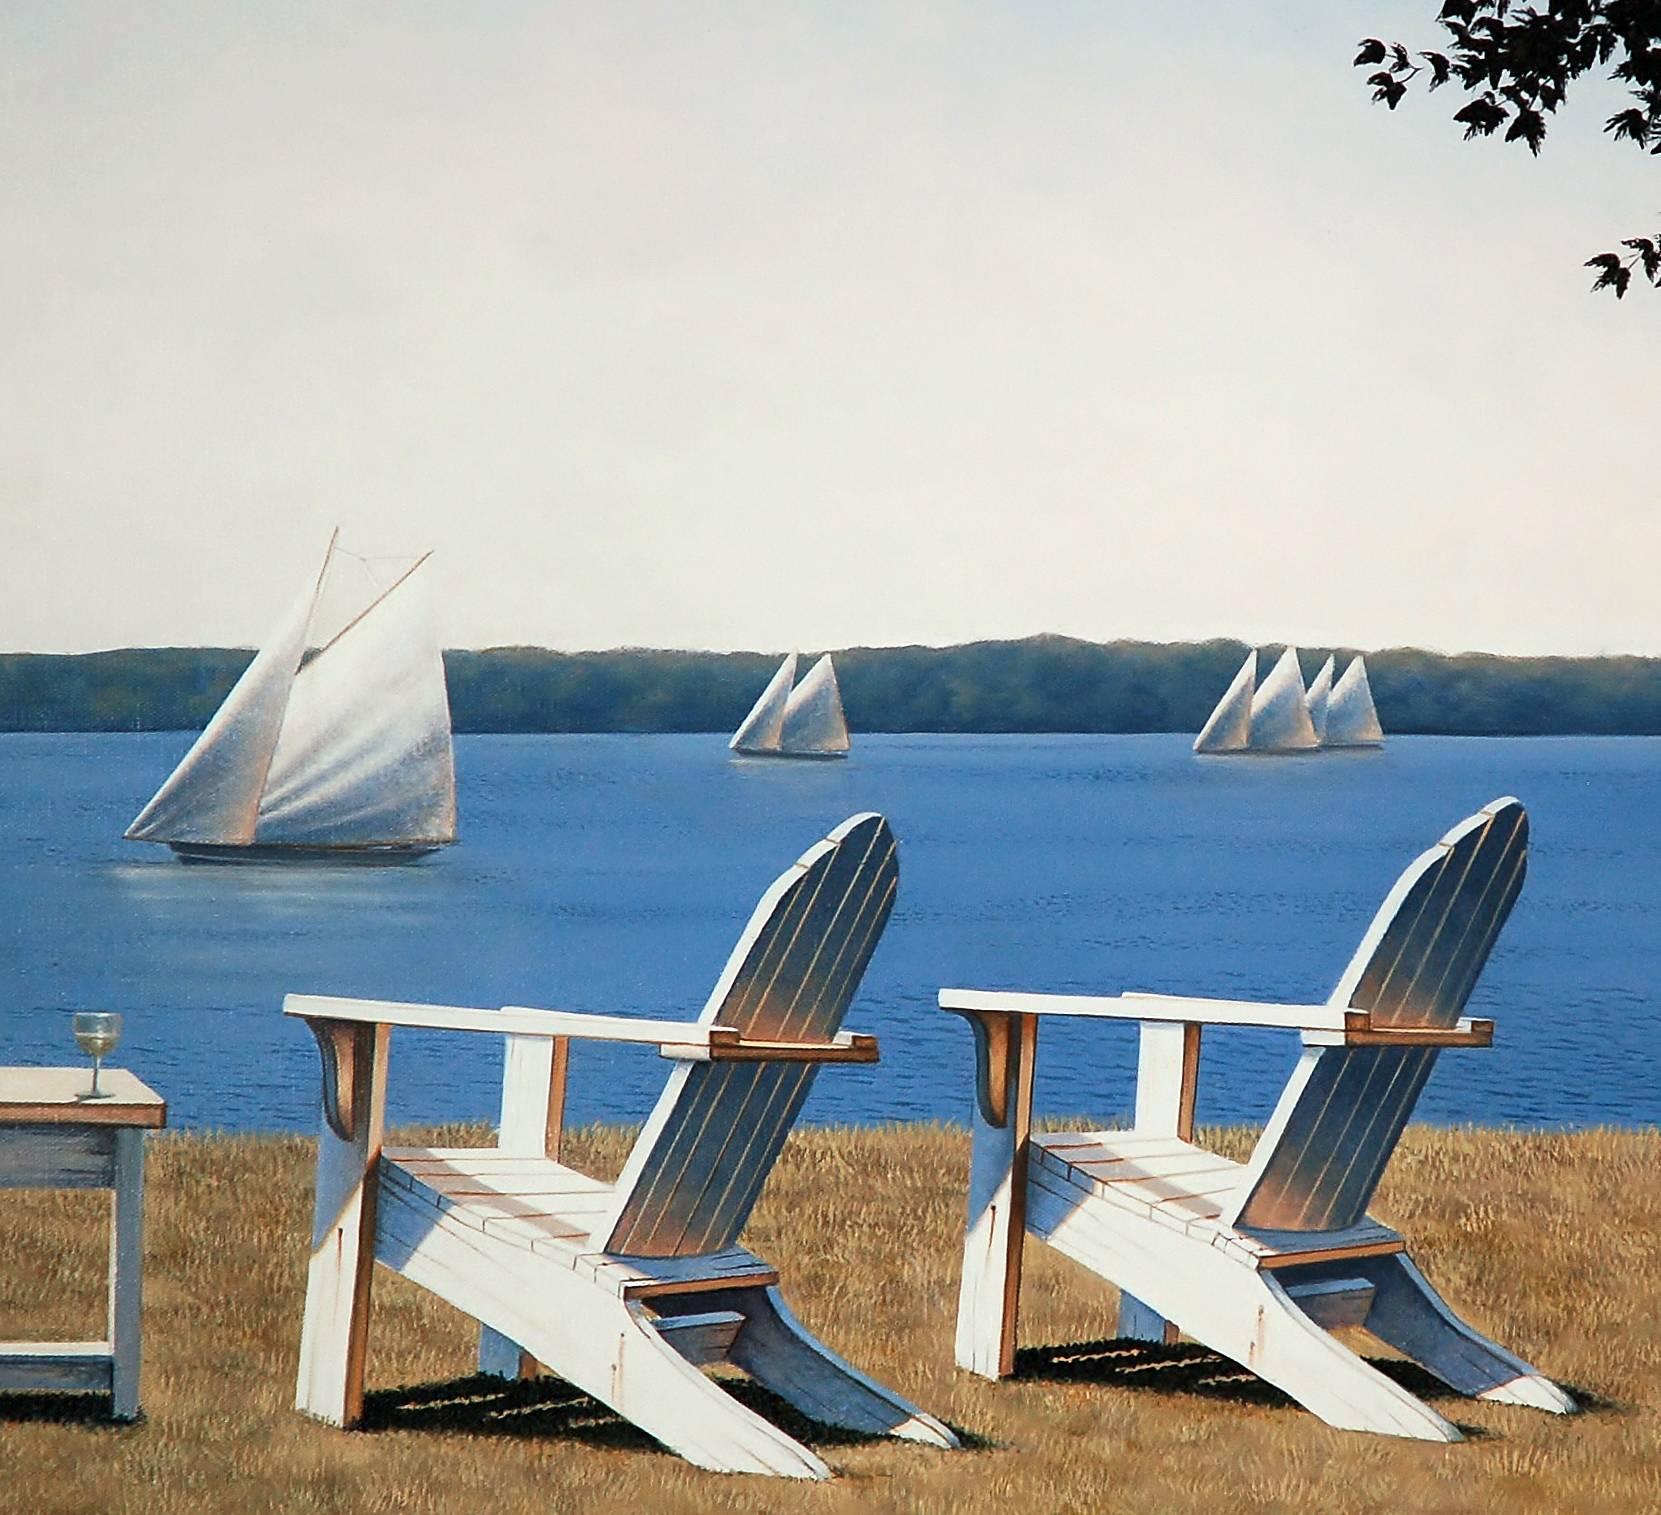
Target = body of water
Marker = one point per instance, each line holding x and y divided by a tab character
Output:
613	874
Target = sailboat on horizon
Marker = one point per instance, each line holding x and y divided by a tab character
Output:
1281	716
1269	717
804	722
334	745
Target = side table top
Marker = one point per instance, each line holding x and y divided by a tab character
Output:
54	1097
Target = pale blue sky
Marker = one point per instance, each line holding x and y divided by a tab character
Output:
808	324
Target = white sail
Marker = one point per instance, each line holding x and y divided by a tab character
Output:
350	748
1280	713
759	730
213	795
1320	691
364	755
1351	719
813	720
1230	725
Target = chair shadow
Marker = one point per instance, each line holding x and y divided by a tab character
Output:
477	1405
1186	1368
61	1408
1593	1403
549	1407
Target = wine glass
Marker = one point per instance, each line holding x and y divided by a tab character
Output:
96	1033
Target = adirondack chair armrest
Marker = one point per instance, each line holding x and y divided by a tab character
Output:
348	1030
340	1024
510	1020
1139	1006
727	1046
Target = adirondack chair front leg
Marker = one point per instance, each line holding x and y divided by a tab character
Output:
1414	1319
781	1354
534	1070
1006	1048
335	1335
1167	1079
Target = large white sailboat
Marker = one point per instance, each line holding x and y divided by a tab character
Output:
1351	719
806	721
335	742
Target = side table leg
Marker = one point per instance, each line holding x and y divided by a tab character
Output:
126	1270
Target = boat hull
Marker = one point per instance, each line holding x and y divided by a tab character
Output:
795	757
388	854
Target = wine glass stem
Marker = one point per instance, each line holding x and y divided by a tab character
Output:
96	1064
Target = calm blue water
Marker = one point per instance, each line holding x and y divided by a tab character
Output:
612	873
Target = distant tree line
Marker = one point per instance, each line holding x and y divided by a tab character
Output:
1045	683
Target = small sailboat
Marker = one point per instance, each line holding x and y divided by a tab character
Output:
1351	719
335	742
805	721
1274	716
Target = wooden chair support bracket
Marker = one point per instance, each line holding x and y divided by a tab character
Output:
347	1050
996	1034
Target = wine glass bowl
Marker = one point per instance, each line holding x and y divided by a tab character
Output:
96	1033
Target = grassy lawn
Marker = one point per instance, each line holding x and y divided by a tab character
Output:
1546	1241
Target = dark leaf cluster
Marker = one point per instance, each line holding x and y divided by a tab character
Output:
1515	64
1615	270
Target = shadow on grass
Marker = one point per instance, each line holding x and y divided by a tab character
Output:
1188	1368
1593	1403
550	1407
62	1409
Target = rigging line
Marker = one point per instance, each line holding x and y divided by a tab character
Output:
378	600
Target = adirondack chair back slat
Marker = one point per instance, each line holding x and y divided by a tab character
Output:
1325	1149
696	1171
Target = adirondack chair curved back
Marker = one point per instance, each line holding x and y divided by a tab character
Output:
1342	1113
698	1167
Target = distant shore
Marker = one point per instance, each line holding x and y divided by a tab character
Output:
1039	684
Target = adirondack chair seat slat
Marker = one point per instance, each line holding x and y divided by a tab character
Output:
1260	1260
1141	1181
628	1288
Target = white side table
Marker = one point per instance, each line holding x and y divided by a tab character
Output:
51	1139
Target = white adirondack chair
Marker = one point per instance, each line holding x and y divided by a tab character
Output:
1260	1260
623	1289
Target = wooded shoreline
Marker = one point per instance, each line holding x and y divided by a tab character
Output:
1039	684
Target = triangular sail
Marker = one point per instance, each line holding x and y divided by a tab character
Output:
759	730
1280	714
1320	691
1230	725
213	795
813	720
1351	719
364	755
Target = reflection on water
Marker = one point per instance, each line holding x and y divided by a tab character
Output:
613	874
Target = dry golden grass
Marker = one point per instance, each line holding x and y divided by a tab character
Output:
1548	1241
